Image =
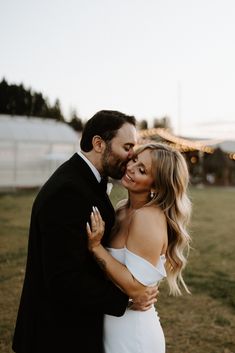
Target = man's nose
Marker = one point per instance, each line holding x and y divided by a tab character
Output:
130	153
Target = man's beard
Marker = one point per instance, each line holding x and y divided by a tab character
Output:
112	165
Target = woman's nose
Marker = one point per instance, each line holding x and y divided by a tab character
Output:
130	167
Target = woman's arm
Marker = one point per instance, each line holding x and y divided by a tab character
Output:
140	236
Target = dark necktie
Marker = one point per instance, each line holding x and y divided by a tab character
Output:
103	184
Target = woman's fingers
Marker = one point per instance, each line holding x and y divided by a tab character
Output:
97	217
93	221
88	229
96	226
100	219
96	220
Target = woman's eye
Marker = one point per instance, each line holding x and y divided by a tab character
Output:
142	171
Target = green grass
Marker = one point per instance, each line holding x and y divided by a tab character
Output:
203	322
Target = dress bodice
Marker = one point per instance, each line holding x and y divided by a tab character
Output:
140	268
136	331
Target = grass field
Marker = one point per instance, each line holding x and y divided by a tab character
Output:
203	322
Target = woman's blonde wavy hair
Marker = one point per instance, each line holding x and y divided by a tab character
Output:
171	180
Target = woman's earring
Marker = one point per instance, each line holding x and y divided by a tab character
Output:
151	194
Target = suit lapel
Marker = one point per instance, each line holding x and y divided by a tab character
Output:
82	169
85	178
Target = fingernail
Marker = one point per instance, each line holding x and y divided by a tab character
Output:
96	209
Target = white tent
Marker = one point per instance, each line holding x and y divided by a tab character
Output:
32	148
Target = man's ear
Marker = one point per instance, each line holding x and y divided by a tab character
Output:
98	144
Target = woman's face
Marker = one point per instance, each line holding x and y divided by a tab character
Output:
138	176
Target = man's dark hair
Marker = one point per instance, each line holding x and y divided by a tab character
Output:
105	123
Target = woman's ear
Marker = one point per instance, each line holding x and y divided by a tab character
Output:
98	144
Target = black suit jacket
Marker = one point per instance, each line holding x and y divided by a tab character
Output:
65	294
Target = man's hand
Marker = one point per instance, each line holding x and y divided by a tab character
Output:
145	301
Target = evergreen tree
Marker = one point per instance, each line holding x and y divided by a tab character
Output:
3	96
75	122
163	122
16	100
143	125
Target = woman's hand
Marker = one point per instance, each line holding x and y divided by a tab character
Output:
95	232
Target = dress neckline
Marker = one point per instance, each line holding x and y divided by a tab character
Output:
125	248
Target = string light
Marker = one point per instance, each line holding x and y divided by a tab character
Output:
232	156
181	144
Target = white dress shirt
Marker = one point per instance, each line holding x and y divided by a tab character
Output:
93	168
95	172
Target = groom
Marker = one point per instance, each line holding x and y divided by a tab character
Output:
65	294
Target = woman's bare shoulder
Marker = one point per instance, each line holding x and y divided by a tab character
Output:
150	213
148	233
148	222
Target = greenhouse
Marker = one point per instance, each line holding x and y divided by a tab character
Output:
32	148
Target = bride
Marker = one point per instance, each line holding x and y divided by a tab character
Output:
148	243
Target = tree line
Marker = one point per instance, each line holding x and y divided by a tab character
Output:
17	100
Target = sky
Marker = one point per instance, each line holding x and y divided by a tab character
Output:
149	58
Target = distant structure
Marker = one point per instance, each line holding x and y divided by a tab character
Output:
210	162
31	149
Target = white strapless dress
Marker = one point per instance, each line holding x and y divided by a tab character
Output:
136	331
